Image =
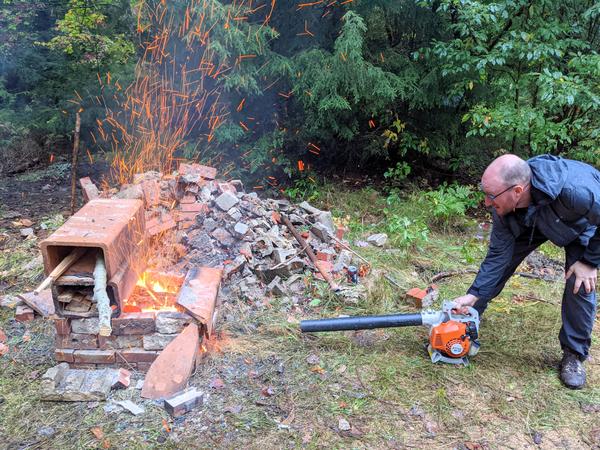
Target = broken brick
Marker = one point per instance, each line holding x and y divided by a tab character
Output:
122	380
184	402
89	189
151	190
23	314
173	367
62	325
416	295
160	225
198	294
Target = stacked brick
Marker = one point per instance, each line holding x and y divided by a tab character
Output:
135	342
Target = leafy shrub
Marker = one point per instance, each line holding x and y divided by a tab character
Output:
403	231
449	203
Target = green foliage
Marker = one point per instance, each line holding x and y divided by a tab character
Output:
397	174
449	203
524	73
403	231
303	188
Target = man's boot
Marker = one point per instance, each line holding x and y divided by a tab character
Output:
572	372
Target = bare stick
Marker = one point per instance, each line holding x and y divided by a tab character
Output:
101	297
74	161
332	284
61	268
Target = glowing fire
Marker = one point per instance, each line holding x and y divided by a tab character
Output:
154	291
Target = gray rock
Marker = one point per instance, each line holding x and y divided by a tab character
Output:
321	232
378	239
226	201
296	219
223	236
210	224
130	191
234	213
60	383
276	287
134	409
85	326
343	425
26	232
237	265
308	208
157	341
281	254
343	260
10	301
46	432
171	322
240	229
326	218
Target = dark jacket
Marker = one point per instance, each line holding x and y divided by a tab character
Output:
565	209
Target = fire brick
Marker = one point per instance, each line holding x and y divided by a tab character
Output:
94	356
77	341
64	355
134	323
136	355
63	327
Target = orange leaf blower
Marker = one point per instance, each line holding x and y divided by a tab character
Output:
452	337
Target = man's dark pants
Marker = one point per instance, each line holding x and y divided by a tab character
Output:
578	310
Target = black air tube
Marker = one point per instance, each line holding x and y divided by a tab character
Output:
361	322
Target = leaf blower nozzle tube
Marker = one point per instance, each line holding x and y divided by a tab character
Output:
361	323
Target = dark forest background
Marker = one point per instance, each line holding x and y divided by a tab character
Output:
378	86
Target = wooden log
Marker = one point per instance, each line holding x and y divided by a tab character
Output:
101	297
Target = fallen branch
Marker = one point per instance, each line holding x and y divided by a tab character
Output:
332	284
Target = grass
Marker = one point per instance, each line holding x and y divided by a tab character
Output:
380	381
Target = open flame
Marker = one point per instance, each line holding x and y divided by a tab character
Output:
154	291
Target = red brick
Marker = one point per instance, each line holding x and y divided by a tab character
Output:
324	256
227	187
188	199
77	341
23	314
133	323
63	326
339	233
64	355
89	189
194	207
416	295
151	189
182	216
136	355
123	380
94	356
165	223
198	294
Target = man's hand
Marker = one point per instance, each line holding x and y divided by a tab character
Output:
585	275
462	303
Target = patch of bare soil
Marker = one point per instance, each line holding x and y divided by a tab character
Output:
43	192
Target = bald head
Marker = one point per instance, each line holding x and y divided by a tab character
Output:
507	170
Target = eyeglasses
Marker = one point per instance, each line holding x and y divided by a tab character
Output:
493	197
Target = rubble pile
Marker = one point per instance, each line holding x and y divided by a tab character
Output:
214	223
